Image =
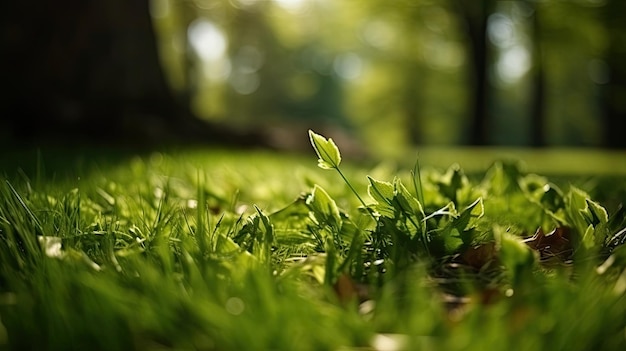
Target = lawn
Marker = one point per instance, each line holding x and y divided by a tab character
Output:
254	250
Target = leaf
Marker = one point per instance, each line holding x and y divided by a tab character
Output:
382	192
324	208
475	211
552	198
345	288
349	291
597	213
502	177
331	261
407	201
238	257
268	238
458	231
556	244
618	219
269	228
589	237
586	216
291	223
514	254
480	255
577	209
448	210
326	150
450	240
416	177
451	182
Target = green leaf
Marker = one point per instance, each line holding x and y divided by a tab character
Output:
291	223
552	202
597	213
326	150
452	182
582	211
517	257
589	237
448	210
458	230
331	261
324	208
449	241
407	201
268	238
503	177
383	194
239	257
468	217
380	191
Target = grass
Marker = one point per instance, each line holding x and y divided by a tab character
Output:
227	250
570	161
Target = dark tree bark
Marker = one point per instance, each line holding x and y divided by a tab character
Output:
537	110
411	102
615	90
186	13
85	69
474	14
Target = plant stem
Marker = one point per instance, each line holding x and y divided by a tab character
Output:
355	193
419	192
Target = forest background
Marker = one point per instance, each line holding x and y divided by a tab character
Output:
390	74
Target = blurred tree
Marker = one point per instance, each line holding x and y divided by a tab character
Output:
258	66
615	90
394	69
537	110
475	14
185	13
412	90
573	56
398	58
89	70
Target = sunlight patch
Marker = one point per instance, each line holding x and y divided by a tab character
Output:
51	246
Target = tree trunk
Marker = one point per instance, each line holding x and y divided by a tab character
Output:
474	14
615	90
537	118
412	105
88	70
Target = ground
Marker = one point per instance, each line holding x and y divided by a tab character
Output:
232	250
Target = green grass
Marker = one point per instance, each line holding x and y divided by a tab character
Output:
569	161
250	250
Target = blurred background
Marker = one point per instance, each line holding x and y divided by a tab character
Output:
386	74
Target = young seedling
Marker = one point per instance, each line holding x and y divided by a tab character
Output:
391	199
330	158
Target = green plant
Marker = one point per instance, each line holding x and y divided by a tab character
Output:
217	251
453	226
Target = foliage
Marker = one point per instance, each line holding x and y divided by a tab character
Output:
169	254
350	62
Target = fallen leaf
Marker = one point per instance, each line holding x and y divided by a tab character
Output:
479	256
347	290
553	245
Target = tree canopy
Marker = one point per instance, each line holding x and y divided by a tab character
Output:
539	73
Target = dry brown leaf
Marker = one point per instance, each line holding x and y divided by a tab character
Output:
347	290
479	256
556	244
